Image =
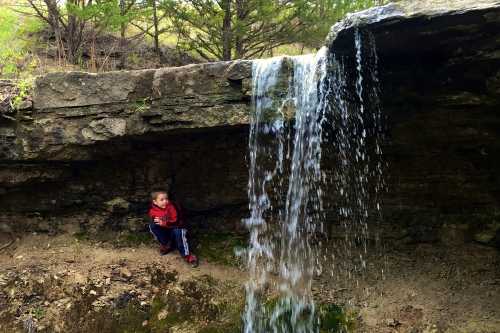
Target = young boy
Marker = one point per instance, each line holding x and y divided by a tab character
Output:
168	228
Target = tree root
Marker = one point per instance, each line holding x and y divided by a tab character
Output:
5	246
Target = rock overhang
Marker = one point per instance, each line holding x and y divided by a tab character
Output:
74	111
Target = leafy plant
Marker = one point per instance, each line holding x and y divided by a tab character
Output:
24	88
334	319
38	312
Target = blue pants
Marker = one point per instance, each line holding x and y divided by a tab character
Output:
173	237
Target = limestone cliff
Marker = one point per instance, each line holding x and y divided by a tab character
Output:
89	138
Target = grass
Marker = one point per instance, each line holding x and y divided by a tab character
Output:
38	312
16	59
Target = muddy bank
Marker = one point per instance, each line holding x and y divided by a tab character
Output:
63	284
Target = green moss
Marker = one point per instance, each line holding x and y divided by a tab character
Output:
134	239
157	323
328	317
221	328
334	318
143	105
221	248
81	236
117	239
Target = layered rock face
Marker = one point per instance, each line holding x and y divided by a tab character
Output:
439	67
88	139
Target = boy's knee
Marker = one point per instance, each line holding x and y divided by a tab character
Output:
179	231
153	227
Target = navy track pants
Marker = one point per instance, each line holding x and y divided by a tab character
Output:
174	237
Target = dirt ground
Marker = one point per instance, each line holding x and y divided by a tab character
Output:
410	288
422	288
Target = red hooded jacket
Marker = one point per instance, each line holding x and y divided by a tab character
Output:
168	215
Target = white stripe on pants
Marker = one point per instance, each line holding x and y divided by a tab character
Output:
184	241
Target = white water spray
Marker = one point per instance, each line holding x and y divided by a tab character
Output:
286	181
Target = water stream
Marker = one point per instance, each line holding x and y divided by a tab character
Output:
287	181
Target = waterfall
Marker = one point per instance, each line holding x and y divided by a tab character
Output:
286	180
266	147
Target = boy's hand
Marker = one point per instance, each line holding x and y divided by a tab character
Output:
157	220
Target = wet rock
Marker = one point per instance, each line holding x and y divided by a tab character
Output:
488	235
117	205
453	234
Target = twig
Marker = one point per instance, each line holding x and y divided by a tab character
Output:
3	247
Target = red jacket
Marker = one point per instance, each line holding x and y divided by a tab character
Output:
168	215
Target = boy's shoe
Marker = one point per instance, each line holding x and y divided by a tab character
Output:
191	259
164	249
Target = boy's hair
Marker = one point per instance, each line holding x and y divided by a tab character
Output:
155	194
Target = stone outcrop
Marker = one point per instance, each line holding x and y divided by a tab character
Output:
72	111
88	139
439	68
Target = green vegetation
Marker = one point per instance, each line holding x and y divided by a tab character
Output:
133	239
24	87
117	239
334	318
38	312
38	36
16	62
234	29
328	318
220	248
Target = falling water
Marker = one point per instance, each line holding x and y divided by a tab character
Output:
357	177
266	146
286	181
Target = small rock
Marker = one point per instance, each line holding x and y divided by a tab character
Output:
125	272
117	205
393	323
162	314
485	237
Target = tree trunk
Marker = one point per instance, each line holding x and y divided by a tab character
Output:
241	14
156	36
123	40
71	39
226	30
53	18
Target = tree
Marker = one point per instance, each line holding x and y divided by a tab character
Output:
151	20
320	15
67	28
70	19
228	29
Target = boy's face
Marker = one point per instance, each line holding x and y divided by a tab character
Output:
161	200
